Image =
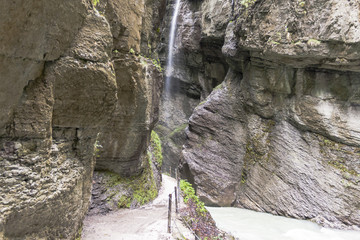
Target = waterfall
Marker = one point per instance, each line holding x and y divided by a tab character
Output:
171	46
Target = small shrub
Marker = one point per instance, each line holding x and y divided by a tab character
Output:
189	193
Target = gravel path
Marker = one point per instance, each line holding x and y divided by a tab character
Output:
148	222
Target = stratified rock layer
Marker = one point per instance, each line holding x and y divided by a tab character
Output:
282	133
125	136
198	67
63	83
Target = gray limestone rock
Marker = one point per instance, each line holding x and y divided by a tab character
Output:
282	134
198	67
61	86
125	135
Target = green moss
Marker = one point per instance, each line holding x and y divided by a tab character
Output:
257	150
313	42
124	202
251	155
243	176
302	4
339	165
178	129
189	193
95	2
248	3
202	103
157	64
23	152
219	86
156	149
97	148
274	42
141	188
78	235
333	153
146	189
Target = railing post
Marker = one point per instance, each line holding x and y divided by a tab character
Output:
178	185
176	201
169	214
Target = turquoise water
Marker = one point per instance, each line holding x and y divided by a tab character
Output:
250	225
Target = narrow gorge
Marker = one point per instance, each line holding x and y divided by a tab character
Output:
257	104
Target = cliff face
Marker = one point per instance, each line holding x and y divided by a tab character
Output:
281	134
198	66
70	87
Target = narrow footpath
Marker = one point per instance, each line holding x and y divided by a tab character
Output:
148	222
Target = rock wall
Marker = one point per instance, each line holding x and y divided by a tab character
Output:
198	67
281	134
66	77
112	191
125	136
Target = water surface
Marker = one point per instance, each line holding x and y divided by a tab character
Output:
251	225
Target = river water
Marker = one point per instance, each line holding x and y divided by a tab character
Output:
250	225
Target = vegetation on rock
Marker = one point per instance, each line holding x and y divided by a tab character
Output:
189	194
196	216
95	2
155	145
138	189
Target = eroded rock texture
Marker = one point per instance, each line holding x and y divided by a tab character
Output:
125	136
64	81
282	132
198	67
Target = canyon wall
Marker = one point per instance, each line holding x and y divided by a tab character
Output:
198	67
281	134
77	83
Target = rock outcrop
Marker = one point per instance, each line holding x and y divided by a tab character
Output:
198	67
66	77
125	136
112	191
282	133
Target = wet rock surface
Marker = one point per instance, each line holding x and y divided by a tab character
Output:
64	81
280	134
198	67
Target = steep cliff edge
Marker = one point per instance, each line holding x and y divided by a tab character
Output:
64	81
282	133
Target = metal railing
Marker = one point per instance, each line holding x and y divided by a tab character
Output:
177	200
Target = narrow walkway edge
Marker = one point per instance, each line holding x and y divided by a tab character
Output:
148	222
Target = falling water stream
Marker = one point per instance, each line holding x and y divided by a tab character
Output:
250	225
167	105
169	65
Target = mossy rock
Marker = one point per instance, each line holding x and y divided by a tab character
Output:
155	148
139	189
